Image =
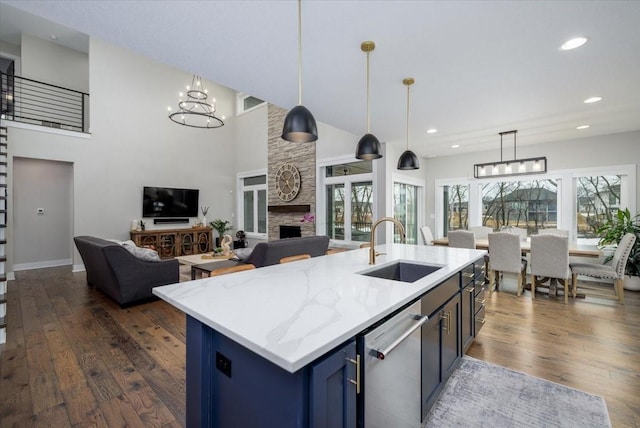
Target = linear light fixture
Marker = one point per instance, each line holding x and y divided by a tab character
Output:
515	166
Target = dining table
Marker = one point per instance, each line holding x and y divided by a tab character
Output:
575	250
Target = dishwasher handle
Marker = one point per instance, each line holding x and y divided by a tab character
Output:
420	320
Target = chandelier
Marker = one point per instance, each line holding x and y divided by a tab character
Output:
194	110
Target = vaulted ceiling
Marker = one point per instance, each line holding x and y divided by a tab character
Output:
481	67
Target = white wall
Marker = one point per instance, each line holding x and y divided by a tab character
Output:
51	63
43	238
133	144
606	150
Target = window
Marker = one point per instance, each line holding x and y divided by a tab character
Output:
598	198
254	204
531	205
246	103
348	201
456	207
578	200
405	209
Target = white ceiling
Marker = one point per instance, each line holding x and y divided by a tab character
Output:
481	67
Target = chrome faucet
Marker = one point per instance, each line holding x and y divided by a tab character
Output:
372	243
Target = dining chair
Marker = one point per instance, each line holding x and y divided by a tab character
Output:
550	259
461	239
505	250
521	232
614	272
231	269
481	232
295	258
427	236
551	231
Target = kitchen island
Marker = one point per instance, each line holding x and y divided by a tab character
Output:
264	346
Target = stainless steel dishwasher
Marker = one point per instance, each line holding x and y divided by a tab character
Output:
392	368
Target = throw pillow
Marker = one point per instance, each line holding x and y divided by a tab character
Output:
141	253
242	254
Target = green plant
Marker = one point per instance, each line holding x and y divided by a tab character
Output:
221	226
612	231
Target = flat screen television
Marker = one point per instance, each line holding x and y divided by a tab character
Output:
169	202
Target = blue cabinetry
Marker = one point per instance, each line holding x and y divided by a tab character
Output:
230	386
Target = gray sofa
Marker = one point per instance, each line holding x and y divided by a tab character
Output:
270	253
119	274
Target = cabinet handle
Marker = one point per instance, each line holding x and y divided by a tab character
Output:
447	319
382	353
357	381
480	320
480	301
470	289
467	275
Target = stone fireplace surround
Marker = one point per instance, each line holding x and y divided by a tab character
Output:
303	156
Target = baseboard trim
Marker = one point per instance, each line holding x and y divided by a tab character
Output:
40	265
78	268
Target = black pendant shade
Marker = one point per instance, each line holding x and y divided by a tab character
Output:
368	148
408	160
300	126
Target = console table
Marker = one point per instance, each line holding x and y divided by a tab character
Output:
175	242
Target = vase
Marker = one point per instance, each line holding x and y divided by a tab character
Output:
203	221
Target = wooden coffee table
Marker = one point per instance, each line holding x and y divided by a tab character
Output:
200	264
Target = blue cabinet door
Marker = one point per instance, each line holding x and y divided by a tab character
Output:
333	395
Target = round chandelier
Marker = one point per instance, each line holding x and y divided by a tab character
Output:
194	110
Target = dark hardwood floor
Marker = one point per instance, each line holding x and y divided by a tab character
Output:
74	358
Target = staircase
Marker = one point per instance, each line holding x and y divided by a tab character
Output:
3	236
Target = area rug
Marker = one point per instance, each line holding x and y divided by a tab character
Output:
480	394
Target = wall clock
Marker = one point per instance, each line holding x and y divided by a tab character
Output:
287	182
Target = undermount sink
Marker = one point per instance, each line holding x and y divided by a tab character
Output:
402	271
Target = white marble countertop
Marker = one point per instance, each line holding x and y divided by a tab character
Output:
293	313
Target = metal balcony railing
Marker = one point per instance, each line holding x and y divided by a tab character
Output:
37	103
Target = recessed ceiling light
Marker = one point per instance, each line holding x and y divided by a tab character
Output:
592	100
432	131
455	146
583	126
573	43
53	37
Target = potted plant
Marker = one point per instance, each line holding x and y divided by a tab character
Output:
221	226
612	231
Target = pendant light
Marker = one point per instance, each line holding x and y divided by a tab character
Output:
368	147
408	160
300	125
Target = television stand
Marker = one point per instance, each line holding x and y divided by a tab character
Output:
175	242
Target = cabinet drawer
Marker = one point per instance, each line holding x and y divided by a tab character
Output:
480	288
468	275
479	320
441	293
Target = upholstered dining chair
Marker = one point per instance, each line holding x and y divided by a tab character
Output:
231	269
521	232
427	236
461	239
550	231
614	272
550	259
481	232
505	250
